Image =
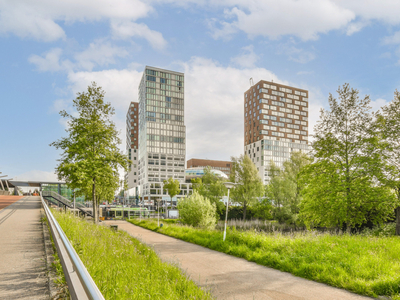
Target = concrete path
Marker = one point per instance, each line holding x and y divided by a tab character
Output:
229	277
8	200
22	256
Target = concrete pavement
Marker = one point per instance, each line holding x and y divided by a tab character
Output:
229	277
22	256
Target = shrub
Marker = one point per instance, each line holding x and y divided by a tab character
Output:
381	230
197	210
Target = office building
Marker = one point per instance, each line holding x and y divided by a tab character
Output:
224	166
162	133
275	124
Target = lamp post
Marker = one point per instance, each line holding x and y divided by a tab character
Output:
228	185
158	209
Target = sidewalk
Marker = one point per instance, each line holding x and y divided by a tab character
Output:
229	277
22	260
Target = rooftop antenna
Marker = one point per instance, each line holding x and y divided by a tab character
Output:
251	81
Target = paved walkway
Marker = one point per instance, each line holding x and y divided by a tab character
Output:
22	260
8	200
229	277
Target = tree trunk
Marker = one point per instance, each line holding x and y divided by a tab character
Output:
244	210
95	211
397	220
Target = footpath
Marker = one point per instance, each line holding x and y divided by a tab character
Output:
229	277
22	253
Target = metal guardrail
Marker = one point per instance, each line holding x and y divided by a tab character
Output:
66	202
80	283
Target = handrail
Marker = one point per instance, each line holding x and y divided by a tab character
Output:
89	287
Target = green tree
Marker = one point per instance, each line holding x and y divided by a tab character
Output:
274	191
172	187
342	186
212	187
388	126
91	158
197	210
249	186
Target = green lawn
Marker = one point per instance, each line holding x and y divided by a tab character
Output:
365	265
122	267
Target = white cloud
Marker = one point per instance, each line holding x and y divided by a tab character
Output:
294	53
49	62
393	39
37	175
128	29
355	27
378	103
99	53
305	19
39	19
247	59
214	107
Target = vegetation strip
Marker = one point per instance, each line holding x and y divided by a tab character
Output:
365	265
122	267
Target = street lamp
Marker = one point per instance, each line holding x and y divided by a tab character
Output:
158	209
228	185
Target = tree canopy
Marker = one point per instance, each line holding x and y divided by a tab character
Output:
388	127
91	157
211	186
342	185
172	187
285	187
249	186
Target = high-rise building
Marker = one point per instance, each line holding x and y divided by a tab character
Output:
223	166
275	124
132	146
162	132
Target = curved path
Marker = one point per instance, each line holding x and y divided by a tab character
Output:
22	254
229	277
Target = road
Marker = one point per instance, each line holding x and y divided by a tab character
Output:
229	277
22	254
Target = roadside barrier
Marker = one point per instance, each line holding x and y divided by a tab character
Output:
80	283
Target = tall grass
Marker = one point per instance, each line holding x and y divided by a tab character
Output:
363	264
124	268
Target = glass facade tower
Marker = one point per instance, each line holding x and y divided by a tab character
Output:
162	131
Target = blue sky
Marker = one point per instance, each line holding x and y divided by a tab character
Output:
50	50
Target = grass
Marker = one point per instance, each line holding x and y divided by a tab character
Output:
365	265
124	268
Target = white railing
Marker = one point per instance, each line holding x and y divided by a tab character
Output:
80	283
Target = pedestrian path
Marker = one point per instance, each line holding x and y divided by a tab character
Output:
22	254
229	277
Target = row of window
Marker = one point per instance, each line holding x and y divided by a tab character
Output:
164	75
164	93
163	138
164	110
168	103
164	98
154	115
163	86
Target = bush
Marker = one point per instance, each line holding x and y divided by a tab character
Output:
381	230
197	210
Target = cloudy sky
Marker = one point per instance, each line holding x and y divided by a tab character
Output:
50	50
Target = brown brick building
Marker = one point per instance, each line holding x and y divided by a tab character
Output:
224	166
275	123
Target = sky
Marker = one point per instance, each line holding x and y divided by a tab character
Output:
51	50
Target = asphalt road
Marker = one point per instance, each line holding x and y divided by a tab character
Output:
229	277
22	256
